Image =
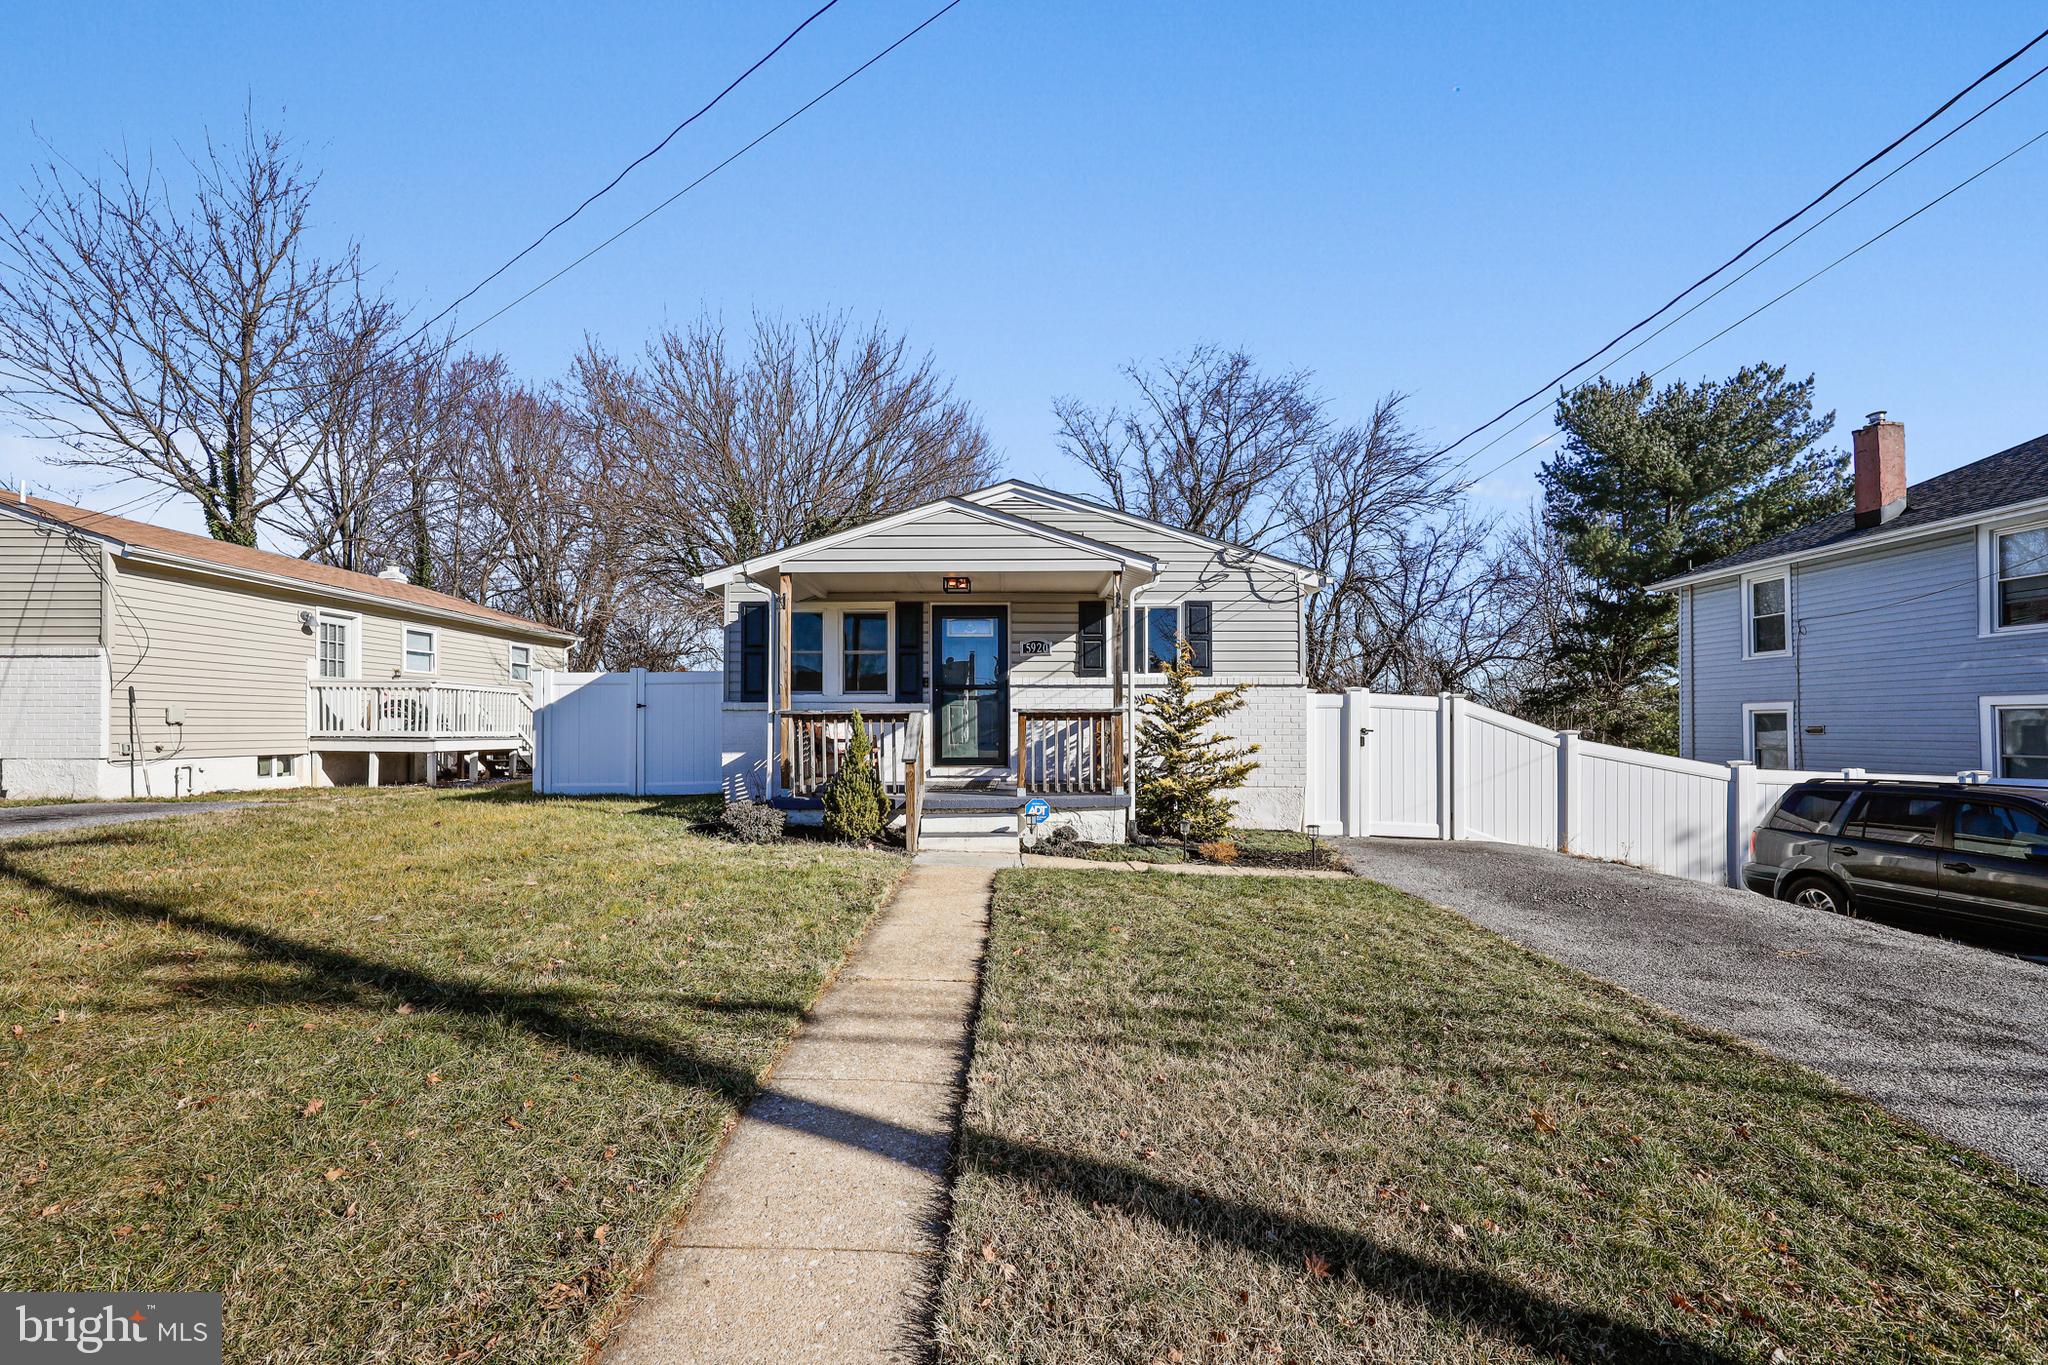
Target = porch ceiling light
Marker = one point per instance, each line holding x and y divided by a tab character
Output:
957	582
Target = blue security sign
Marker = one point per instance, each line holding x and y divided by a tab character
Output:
1036	810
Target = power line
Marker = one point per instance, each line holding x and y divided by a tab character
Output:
1780	297
1755	266
815	100
1543	389
630	166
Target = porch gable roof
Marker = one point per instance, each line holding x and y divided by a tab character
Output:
965	536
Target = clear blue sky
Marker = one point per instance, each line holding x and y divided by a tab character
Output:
1451	200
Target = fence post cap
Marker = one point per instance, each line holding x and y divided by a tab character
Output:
1741	763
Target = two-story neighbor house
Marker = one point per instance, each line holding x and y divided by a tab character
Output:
137	660
1907	635
1018	625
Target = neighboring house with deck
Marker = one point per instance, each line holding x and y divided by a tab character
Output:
145	661
998	643
1909	634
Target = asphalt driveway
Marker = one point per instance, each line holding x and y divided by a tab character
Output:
17	822
1951	1036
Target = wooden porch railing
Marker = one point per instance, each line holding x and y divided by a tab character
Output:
914	785
1070	753
814	746
341	709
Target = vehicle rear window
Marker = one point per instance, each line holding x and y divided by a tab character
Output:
1895	817
1809	812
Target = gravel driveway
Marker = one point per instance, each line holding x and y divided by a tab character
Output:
1953	1037
17	822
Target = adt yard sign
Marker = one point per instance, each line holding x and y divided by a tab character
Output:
1036	810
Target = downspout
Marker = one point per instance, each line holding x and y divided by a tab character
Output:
774	672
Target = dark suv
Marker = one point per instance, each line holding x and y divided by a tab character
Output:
1975	854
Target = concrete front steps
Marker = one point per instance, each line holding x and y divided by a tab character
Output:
953	830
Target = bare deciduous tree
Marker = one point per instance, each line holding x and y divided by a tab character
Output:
177	341
1211	444
800	430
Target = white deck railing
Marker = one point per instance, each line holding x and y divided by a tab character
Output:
346	709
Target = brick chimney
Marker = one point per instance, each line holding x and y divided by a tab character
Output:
1880	471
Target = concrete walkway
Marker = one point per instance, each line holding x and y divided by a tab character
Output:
18	822
817	1233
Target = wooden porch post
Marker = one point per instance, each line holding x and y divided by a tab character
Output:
784	613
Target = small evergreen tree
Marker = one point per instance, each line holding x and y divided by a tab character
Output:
1183	770
856	806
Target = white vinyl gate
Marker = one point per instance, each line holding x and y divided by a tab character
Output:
1445	767
640	733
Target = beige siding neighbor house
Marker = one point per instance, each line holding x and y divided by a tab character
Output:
136	660
1004	637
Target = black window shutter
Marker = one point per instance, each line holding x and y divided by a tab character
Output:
1092	643
753	651
1195	629
910	651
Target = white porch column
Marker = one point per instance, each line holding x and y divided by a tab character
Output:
370	767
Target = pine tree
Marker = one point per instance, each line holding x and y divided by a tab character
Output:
856	806
1183	770
1653	482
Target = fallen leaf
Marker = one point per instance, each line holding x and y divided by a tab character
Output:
312	1107
511	1122
17	1030
124	1230
1316	1266
405	1009
335	1172
604	1230
1458	1233
988	1251
433	1078
1544	1123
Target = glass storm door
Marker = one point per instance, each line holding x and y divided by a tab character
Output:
970	685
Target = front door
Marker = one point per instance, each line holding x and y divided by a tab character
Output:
970	684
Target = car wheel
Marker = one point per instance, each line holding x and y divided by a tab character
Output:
1817	893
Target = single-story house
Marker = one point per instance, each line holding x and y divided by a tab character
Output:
1909	634
1007	635
137	660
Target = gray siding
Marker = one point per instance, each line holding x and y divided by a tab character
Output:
49	586
1890	662
949	537
1257	609
235	657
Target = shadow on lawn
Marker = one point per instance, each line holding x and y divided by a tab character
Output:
1463	1293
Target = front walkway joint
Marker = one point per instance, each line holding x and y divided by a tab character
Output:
817	1232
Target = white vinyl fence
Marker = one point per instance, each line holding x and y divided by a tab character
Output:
1445	767
642	733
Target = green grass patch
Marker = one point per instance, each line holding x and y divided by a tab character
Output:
1289	1119
418	1077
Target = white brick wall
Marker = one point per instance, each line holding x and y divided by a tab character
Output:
53	722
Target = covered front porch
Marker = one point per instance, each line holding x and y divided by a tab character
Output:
985	655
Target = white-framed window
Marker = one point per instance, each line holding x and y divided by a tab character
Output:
1766	615
422	649
335	640
864	653
2014	564
842	651
1767	734
520	662
276	765
2015	736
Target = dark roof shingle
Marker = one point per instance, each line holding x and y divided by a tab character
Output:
2017	475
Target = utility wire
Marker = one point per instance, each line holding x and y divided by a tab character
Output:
1543	389
815	100
1780	297
613	183
1759	264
